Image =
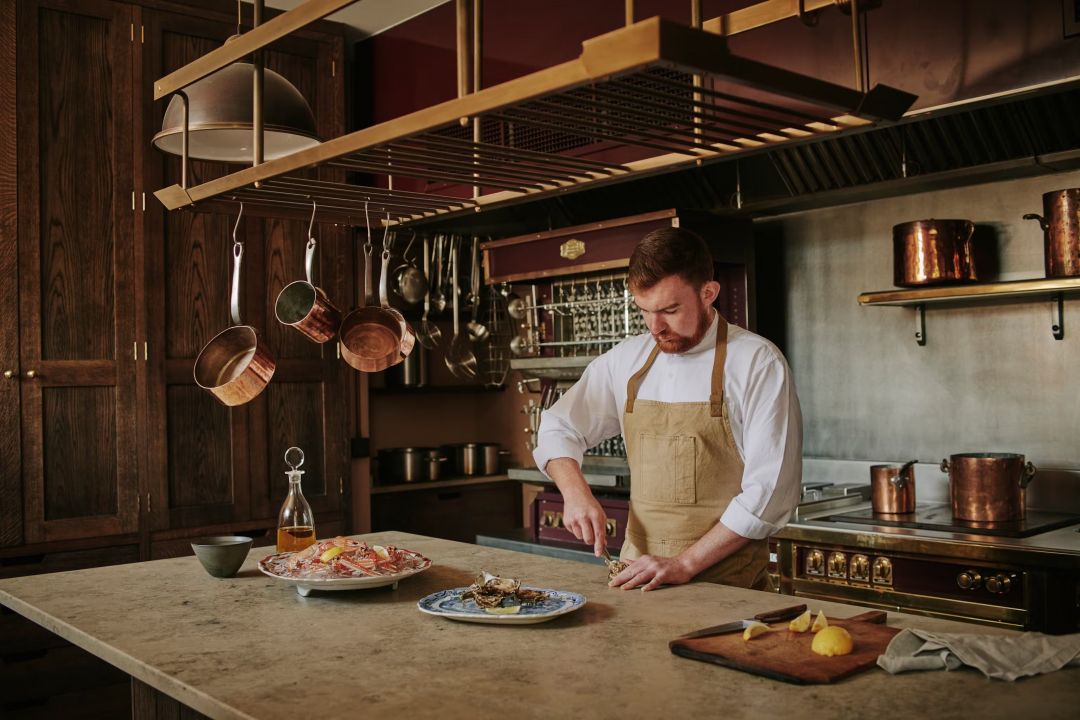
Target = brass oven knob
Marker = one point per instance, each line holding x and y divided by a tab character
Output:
838	565
999	584
969	580
558	520
548	520
611	527
860	567
883	571
815	563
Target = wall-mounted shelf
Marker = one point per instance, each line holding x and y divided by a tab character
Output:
440	484
1052	289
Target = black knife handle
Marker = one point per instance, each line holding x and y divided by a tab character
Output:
787	613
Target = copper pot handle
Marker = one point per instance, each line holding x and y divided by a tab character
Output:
309	261
384	297
1028	475
945	466
238	254
1042	221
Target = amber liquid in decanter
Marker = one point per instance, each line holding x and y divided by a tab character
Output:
295	538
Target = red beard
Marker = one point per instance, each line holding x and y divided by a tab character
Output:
678	343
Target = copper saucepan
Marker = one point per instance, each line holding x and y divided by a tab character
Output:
892	488
375	337
934	252
305	307
988	487
1060	222
235	365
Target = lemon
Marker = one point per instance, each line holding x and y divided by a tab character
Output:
331	554
833	640
801	623
754	629
511	610
820	623
381	551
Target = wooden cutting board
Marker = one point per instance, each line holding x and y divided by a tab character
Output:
785	655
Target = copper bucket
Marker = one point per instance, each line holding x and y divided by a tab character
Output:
302	305
934	252
235	365
988	487
1060	222
892	488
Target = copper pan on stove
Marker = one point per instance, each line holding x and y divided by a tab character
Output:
988	487
892	488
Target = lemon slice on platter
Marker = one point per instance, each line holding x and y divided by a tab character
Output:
330	554
381	551
511	610
820	622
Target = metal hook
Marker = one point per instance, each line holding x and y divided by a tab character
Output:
311	225
237	225
386	233
367	226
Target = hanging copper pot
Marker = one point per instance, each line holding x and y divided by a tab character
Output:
934	252
1060	223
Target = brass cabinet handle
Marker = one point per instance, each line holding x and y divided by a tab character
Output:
31	374
10	374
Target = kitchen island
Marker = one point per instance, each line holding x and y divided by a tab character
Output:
251	647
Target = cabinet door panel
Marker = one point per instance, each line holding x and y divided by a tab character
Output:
10	451
75	278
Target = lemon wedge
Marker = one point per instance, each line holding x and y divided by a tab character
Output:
381	551
754	629
801	623
511	610
331	554
820	623
833	640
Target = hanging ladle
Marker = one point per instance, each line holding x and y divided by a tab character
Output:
478	332
460	359
438	297
428	333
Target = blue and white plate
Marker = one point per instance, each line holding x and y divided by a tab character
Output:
448	604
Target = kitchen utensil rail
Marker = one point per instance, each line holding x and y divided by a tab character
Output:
632	88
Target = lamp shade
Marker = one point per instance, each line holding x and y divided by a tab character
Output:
220	117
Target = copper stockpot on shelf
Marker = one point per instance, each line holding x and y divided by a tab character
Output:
1060	223
892	488
988	487
934	252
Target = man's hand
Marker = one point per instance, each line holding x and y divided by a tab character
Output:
583	516
650	572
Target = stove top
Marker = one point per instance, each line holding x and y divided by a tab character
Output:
939	517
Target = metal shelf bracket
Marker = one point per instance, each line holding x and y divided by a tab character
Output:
920	324
1057	308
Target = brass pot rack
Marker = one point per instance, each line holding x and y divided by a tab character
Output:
652	97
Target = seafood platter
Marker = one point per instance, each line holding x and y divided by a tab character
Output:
500	601
343	563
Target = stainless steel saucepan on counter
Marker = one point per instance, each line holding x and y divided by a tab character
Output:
474	458
410	464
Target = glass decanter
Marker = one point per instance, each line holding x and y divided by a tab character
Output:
296	523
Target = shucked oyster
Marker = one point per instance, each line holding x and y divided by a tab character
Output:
489	591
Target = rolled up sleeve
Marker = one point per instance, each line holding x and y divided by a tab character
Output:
585	415
772	454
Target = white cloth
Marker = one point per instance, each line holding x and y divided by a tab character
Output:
1004	657
761	402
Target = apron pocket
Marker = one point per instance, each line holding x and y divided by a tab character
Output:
668	469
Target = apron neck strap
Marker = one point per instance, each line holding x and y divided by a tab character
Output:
635	380
716	394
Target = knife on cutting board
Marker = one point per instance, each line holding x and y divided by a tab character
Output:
767	617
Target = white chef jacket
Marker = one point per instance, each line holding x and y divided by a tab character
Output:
761	402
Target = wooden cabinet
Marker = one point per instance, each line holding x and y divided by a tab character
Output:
459	512
108	298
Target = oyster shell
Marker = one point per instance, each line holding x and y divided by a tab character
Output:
489	591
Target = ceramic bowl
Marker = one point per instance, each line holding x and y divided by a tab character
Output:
222	555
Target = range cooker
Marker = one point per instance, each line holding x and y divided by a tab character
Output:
1024	574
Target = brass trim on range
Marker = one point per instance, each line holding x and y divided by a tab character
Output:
633	87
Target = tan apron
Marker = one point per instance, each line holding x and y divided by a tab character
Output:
685	469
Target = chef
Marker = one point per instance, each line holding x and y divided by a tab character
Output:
712	427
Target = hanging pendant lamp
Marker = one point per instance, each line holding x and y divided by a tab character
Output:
220	118
220	110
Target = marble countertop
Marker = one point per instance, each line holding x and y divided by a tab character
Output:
251	647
